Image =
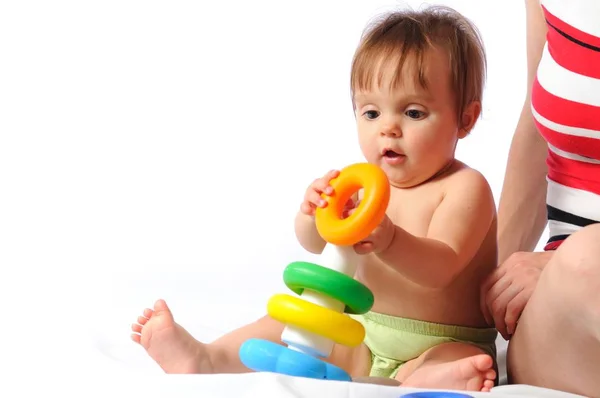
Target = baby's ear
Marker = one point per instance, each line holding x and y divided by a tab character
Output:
469	118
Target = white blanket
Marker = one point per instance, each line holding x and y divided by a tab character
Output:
208	310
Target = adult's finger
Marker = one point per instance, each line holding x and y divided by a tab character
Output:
497	289
486	295
495	276
499	305
514	310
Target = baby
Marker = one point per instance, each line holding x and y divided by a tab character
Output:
417	80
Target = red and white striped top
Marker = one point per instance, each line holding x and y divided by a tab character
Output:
566	108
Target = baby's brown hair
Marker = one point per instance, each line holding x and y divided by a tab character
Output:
397	35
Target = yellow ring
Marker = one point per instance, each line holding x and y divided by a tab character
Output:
369	213
316	319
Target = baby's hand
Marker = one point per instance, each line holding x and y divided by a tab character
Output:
379	240
312	197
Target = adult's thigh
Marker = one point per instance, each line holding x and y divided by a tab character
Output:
557	341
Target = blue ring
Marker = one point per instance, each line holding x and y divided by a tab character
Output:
266	356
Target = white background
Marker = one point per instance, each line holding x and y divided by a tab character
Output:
161	149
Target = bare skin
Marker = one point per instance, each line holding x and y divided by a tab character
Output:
169	344
426	260
454	365
545	303
177	351
570	280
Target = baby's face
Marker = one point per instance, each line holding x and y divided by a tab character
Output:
409	131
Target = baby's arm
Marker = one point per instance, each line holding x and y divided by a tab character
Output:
307	234
457	229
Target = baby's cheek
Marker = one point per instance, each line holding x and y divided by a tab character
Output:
423	146
368	148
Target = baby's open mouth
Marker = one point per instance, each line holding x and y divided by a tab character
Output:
392	157
388	153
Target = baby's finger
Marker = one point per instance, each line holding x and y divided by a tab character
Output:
349	204
363	247
331	175
315	199
348	208
347	212
307	209
322	186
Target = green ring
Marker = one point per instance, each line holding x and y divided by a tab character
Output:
301	275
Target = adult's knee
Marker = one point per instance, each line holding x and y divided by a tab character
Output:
579	255
576	266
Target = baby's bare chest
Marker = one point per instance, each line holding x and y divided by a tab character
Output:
413	210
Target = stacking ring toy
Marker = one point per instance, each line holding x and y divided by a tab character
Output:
301	275
279	359
368	214
317	318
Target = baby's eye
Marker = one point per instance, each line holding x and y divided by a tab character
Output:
415	114
371	115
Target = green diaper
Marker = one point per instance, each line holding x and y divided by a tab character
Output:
394	341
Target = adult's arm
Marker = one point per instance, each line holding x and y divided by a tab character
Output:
522	207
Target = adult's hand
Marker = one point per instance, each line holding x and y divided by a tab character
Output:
507	290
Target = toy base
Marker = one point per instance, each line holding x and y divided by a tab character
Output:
266	356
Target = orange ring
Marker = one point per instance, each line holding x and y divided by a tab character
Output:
369	213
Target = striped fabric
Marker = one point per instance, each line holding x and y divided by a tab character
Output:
566	109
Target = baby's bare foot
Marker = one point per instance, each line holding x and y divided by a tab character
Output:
468	374
170	345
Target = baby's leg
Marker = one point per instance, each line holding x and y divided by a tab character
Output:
456	366
224	351
177	351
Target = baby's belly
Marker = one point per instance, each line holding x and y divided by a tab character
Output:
397	296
